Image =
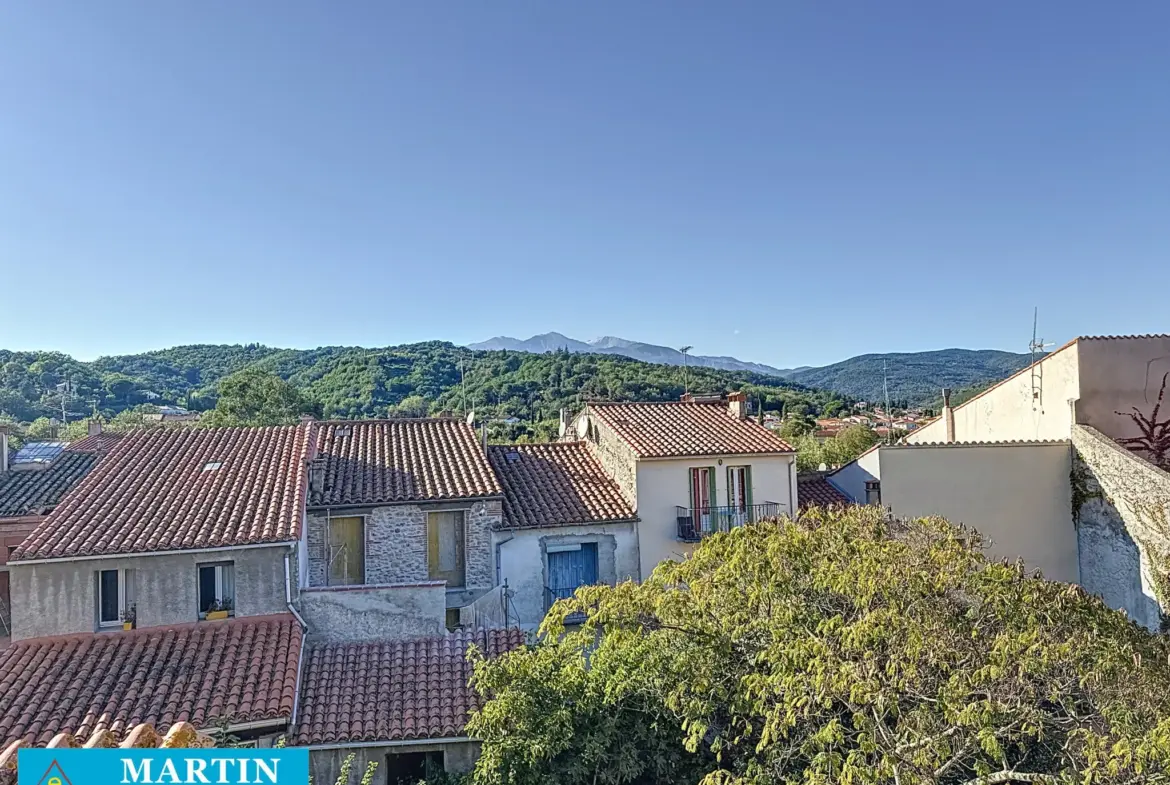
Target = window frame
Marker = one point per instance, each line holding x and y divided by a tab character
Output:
219	567
125	575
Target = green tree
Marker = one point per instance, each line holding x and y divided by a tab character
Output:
119	385
40	429
254	397
841	648
412	406
796	426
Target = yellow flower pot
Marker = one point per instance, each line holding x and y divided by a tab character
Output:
214	615
127	625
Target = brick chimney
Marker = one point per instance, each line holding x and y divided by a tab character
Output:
737	405
948	416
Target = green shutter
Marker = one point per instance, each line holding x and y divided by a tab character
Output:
712	499
747	495
691	488
730	485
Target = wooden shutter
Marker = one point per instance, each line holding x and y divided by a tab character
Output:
445	551
747	488
347	551
712	499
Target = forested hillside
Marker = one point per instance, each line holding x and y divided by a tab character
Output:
357	382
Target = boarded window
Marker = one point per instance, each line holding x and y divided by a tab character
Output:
445	547
347	551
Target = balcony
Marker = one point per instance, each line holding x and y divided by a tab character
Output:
695	523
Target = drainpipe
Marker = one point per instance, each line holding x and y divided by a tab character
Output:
304	639
948	416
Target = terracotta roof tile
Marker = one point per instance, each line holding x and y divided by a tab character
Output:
99	443
669	430
34	492
815	490
555	485
393	690
378	461
239	670
170	489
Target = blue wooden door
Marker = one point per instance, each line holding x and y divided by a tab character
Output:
568	570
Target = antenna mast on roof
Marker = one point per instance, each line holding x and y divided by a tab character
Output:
1036	350
462	382
886	390
684	350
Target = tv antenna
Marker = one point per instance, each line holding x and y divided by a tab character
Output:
1036	348
684	350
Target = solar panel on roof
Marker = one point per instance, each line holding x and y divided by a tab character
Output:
38	452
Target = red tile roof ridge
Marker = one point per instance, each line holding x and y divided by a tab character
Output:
1121	337
155	630
988	443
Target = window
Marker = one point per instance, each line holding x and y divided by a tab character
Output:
407	768
347	551
569	568
703	498
445	547
739	494
217	588
115	596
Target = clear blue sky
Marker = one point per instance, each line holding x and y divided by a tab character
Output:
791	183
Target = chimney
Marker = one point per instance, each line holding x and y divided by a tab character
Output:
95	427
948	416
737	405
317	476
687	398
3	449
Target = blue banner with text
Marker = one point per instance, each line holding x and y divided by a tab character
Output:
230	766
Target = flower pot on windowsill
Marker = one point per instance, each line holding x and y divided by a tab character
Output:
127	625
216	615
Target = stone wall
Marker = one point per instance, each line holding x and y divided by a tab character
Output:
60	597
1122	506
615	456
360	613
396	542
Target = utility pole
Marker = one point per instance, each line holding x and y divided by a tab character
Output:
686	387
889	414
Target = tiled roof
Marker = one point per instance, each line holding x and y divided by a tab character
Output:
171	489
182	735
238	670
385	461
556	484
99	442
34	492
815	490
393	690
668	430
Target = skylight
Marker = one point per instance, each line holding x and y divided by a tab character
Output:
212	466
38	452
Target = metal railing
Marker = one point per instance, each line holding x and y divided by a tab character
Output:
695	523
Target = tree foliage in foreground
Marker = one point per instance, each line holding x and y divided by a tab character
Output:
843	648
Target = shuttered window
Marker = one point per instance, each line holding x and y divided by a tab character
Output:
347	551
445	547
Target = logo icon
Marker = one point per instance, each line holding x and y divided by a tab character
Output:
54	775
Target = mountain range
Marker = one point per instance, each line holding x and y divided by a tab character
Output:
911	377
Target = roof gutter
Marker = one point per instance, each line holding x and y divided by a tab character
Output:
396	743
137	554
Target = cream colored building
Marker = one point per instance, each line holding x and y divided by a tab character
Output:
689	468
1012	463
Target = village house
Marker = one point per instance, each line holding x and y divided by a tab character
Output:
398	535
1036	464
33	480
688	468
566	524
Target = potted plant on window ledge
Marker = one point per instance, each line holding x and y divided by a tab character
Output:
129	617
219	609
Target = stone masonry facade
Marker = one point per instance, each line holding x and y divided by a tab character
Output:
1121	503
616	457
396	543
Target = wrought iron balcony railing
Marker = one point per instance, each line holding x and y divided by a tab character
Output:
695	523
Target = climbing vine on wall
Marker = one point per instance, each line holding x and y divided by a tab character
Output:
1084	488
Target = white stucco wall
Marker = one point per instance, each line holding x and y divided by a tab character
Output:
524	567
1117	374
665	483
1009	412
850	479
1018	496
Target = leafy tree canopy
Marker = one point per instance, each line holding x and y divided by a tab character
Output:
253	397
843	648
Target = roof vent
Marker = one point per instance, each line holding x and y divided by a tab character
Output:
341	431
211	466
512	456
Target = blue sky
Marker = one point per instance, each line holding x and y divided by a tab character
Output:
790	183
